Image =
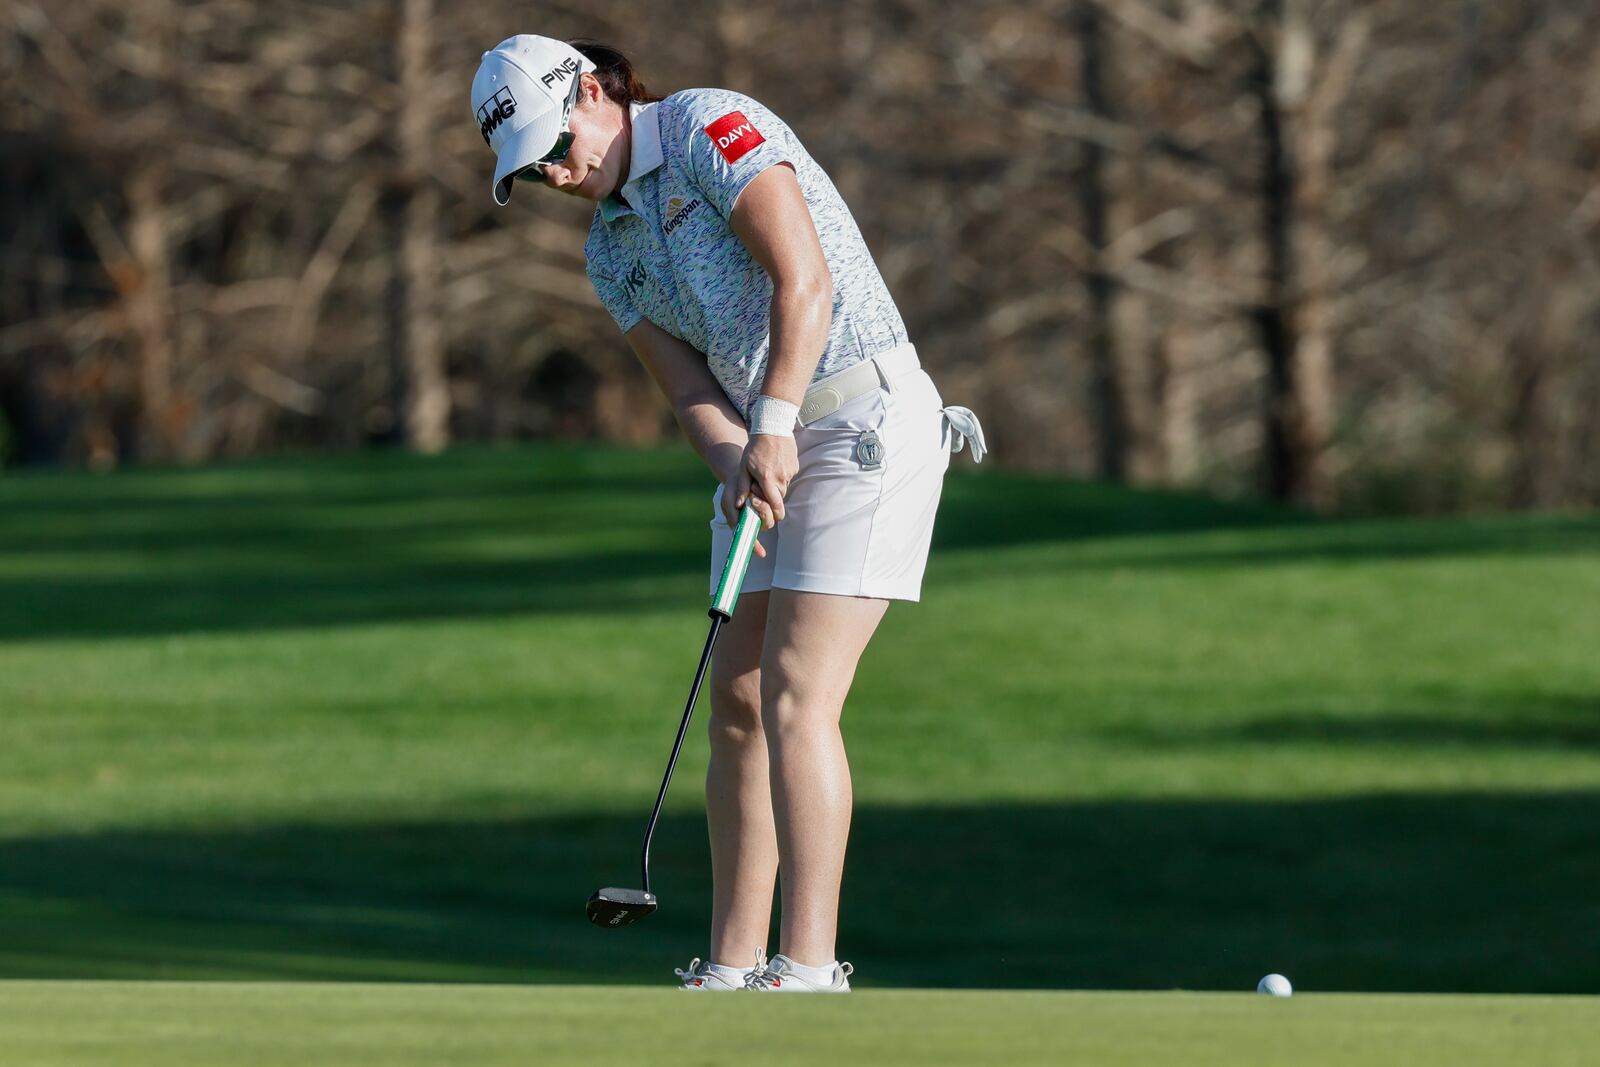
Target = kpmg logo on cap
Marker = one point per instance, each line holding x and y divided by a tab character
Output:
495	110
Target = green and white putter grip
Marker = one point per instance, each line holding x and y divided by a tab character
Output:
733	571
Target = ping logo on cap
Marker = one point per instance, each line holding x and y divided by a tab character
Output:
734	135
560	72
495	110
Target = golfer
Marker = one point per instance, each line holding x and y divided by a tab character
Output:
740	279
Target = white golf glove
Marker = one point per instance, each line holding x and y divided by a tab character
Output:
961	421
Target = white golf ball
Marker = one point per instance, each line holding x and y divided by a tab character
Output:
1275	985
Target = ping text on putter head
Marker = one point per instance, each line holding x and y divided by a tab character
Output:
612	907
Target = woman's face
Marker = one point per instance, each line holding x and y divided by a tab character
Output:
596	164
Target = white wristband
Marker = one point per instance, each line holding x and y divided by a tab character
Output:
773	417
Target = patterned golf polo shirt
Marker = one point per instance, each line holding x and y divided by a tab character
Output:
665	251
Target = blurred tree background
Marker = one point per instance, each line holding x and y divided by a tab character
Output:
1341	252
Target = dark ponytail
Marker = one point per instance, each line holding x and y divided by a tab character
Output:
614	73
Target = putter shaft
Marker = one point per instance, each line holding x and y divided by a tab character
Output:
612	907
677	745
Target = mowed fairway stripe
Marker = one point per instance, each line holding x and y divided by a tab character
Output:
380	717
52	1024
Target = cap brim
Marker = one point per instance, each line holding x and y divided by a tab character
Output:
523	147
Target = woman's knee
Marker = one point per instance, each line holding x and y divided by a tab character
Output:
789	699
736	707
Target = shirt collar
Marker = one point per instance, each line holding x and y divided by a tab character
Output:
645	157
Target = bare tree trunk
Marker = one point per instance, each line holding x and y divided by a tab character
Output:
1282	461
1297	101
420	389
148	298
1586	434
1111	429
1173	400
1311	98
729	43
1298	391
1529	425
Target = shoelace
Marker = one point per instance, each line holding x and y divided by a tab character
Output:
694	975
759	979
763	978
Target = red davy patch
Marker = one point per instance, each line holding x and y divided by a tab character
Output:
734	135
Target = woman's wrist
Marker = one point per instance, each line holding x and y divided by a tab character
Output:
773	416
724	458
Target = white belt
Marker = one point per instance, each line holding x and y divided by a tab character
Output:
836	390
829	394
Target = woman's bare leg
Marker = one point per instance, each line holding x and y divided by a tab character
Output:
744	847
813	643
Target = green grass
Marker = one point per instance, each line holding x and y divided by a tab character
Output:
306	1025
387	718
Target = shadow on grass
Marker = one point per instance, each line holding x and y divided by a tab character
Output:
485	532
1464	892
368	538
1003	508
1011	509
244	598
1544	721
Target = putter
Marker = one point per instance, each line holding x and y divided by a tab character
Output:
612	907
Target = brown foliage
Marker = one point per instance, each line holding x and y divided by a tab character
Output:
1342	250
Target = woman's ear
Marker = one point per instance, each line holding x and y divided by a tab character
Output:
590	91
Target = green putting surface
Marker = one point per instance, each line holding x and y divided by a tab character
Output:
382	717
87	1024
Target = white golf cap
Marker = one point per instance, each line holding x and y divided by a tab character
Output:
519	97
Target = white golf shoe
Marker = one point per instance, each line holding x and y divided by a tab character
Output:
779	976
700	978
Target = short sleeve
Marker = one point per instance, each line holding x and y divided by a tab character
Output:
731	141
614	295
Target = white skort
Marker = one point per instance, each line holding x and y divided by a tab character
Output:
859	515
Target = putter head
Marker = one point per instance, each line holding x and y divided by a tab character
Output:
611	907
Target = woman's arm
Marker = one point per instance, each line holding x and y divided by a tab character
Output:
713	427
773	222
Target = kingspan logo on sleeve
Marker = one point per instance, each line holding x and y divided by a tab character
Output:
495	110
677	212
